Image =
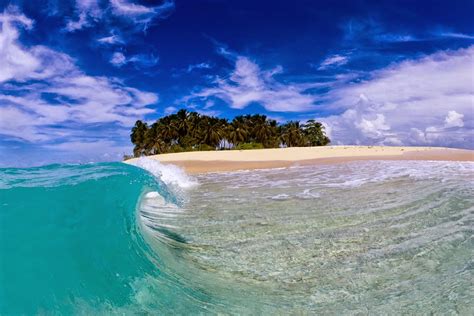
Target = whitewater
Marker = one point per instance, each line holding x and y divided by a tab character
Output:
378	237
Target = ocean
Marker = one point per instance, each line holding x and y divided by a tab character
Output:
369	237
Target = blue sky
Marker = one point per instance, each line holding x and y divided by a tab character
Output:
76	75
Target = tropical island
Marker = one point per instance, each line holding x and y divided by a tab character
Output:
191	131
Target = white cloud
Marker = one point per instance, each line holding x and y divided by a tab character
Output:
248	83
454	119
424	101
333	61
45	97
418	102
170	110
86	12
374	127
209	104
13	121
118	59
209	112
198	66
13	15
143	60
72	26
455	35
113	39
15	62
141	14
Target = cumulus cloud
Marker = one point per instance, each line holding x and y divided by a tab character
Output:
248	83
454	119
426	101
45	98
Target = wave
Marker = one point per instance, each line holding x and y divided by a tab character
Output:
72	243
114	238
93	239
170	174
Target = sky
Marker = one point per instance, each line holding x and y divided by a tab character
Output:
76	75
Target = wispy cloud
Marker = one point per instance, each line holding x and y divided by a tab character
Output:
248	83
45	98
118	59
202	65
359	31
365	32
454	35
140	14
86	11
395	38
333	61
90	13
112	39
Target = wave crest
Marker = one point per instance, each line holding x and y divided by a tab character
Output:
171	175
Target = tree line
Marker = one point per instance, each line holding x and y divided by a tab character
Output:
191	131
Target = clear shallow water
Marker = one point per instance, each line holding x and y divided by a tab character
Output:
357	238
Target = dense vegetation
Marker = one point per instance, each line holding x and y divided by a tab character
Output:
188	131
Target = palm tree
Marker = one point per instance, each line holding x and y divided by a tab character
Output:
292	134
315	134
237	132
211	131
263	131
138	138
190	131
182	122
154	142
168	129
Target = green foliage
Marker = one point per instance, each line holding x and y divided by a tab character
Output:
244	146
176	149
314	132
205	147
191	131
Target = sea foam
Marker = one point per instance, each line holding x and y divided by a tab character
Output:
171	175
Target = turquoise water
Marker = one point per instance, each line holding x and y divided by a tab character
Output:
111	238
70	243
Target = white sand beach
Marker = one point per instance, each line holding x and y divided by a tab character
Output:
229	160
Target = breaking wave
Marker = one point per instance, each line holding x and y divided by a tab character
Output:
112	238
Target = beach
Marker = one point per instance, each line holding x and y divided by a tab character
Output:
231	160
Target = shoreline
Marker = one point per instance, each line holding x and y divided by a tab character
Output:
233	160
